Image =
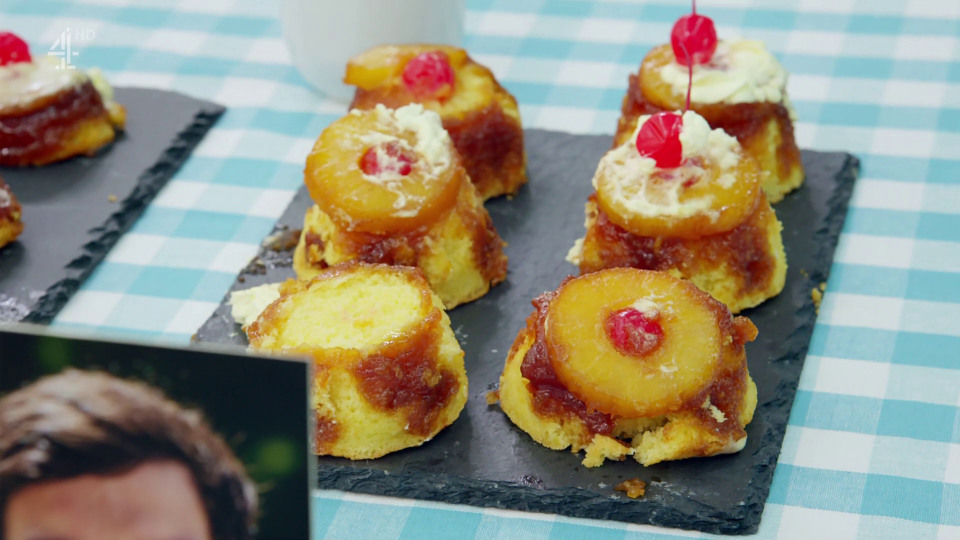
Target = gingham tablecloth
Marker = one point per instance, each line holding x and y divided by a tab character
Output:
873	447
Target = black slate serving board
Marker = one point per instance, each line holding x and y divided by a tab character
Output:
484	460
69	220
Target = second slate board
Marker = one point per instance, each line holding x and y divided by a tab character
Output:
484	460
75	210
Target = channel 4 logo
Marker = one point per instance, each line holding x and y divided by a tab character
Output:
64	48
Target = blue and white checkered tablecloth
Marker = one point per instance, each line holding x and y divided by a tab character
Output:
873	447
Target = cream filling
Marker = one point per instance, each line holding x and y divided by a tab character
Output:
248	304
648	308
627	177
741	71
575	252
733	447
791	110
432	140
432	146
5	198
24	82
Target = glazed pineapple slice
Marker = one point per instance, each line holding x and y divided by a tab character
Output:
633	343
653	86
383	65
711	192
378	171
442	78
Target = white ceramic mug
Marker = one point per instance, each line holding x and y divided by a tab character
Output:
323	34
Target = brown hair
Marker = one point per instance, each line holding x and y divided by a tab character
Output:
79	422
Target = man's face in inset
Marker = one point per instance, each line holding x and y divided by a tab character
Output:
153	501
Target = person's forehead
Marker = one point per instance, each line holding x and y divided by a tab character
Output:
152	501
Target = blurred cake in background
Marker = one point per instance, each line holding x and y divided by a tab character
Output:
49	114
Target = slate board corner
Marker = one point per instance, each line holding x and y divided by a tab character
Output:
144	106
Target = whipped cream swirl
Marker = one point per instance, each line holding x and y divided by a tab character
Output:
432	145
432	140
642	188
741	71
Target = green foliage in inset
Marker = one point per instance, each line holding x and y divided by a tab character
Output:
54	354
275	456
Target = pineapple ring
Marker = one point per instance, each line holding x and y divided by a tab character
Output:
652	86
741	71
389	202
381	69
660	382
697	199
381	65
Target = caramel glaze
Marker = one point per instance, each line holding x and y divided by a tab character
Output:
327	433
729	385
491	145
551	399
489	142
327	429
28	134
9	211
745	121
403	374
314	249
745	249
403	249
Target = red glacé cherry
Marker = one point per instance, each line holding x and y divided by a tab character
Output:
695	37
659	138
13	50
371	165
428	73
633	333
